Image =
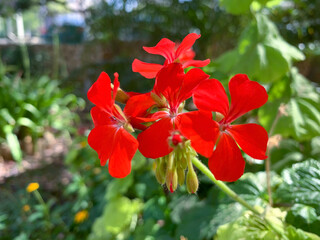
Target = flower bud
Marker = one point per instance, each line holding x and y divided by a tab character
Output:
183	161
160	175
192	181
181	176
172	180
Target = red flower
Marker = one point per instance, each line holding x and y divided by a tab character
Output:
138	108
226	161
176	87
172	52
110	137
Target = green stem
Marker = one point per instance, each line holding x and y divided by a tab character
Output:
25	60
203	168
45	206
268	161
223	186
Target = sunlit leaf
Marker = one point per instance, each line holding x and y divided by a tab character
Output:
116	218
261	53
304	217
301	184
236	7
13	143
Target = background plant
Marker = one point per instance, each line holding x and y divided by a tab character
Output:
266	40
32	106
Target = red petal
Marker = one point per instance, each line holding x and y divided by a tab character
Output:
187	43
138	105
202	131
226	162
124	148
159	114
101	139
191	80
187	56
169	81
101	117
114	144
252	138
245	95
164	48
148	70
196	63
153	142
100	92
136	110
211	96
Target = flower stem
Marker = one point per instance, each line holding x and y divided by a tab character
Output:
203	168
268	161
45	207
223	186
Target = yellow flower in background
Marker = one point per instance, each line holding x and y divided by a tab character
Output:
32	187
83	144
81	216
26	208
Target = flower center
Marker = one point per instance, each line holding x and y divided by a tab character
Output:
224	126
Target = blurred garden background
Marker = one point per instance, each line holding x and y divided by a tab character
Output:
51	182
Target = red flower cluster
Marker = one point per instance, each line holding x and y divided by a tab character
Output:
169	134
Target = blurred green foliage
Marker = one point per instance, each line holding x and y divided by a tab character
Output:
30	106
9	7
258	37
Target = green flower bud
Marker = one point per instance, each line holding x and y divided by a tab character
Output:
183	161
163	166
172	180
181	176
192	181
160	175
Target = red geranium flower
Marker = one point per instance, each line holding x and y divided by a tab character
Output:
176	87
172	52
226	161
110	137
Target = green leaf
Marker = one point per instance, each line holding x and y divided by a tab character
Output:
301	184
315	146
26	122
251	227
22	236
236	7
304	217
297	234
287	153
194	222
252	187
261	52
32	109
302	121
5	114
200	219
116	219
119	186
13	143
305	117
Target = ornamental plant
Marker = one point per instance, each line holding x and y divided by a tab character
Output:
168	133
